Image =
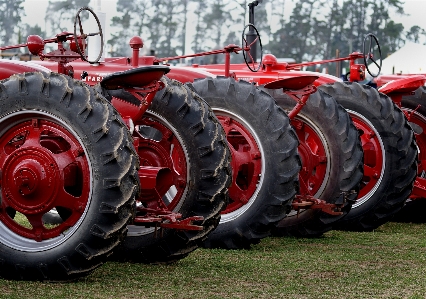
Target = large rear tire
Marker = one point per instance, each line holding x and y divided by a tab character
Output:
414	106
63	147
331	159
265	163
390	154
180	131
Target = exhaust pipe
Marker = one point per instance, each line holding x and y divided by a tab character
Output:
94	42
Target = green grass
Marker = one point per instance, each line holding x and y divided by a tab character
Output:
387	263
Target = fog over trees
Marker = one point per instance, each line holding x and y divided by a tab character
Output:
313	29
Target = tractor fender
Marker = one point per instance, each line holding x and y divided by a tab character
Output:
11	67
403	85
383	79
185	74
322	78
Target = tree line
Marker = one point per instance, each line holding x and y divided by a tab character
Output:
313	29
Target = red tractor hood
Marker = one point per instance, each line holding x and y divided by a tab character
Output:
11	67
240	71
96	72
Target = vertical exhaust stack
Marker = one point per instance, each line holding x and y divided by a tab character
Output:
251	34
94	42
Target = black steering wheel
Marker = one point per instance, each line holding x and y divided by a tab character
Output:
246	48
370	45
82	35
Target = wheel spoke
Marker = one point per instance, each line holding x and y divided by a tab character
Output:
63	159
35	221
252	59
246	44
94	34
375	62
317	160
33	138
368	171
66	200
254	41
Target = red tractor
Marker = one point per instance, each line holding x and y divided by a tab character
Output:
153	172
329	146
390	149
263	146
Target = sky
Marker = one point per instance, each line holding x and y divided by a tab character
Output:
35	11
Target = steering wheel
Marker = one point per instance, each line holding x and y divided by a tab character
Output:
246	49
369	46
82	50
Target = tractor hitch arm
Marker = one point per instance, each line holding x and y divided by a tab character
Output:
166	219
310	202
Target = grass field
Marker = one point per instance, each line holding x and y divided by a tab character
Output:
387	263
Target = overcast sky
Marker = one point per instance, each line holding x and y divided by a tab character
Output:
35	11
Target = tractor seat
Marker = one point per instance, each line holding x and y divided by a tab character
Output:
137	77
293	83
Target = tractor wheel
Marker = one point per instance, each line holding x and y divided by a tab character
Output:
331	162
179	131
415	109
63	147
390	155
265	163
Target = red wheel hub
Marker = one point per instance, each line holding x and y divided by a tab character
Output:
168	152
42	167
314	158
373	156
33	182
246	163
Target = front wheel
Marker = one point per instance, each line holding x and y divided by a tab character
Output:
64	148
265	163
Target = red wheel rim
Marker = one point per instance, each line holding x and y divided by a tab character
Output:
313	153
246	162
43	167
420	132
165	150
373	148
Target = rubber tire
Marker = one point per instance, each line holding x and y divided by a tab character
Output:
415	104
114	185
400	154
281	161
209	172
413	210
346	163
